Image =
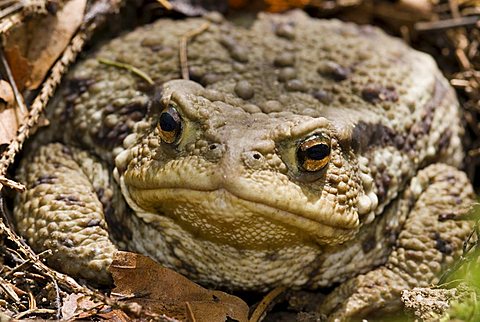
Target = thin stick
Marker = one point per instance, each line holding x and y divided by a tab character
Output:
183	48
11	21
8	290
35	311
64	280
128	67
167	5
446	24
32	303
11	184
453	4
265	303
10	9
58	301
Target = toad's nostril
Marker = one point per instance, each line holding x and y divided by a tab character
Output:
213	146
257	156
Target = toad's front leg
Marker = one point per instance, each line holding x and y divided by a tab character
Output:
63	209
431	238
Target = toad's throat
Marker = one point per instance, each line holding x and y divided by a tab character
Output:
222	217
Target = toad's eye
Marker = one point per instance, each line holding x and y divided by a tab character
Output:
170	125
313	153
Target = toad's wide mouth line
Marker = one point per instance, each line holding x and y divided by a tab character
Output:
318	229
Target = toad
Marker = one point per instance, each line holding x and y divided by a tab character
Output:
301	152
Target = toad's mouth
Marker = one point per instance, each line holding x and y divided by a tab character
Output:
223	217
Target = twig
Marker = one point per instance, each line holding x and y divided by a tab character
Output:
167	5
453	4
128	67
11	9
32	276
459	82
16	257
190	315
265	303
183	47
58	302
446	23
11	184
7	23
32	303
28	262
6	3
462	59
8	289
23	265
35	311
64	280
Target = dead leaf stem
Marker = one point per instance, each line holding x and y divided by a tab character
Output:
34	311
10	9
446	23
6	286
128	67
190	315
166	4
8	23
262	307
11	184
23	265
32	303
183	48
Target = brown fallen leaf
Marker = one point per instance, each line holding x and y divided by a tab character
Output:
6	94
8	118
32	48
159	290
80	306
70	306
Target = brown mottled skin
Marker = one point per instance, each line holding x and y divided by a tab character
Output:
302	152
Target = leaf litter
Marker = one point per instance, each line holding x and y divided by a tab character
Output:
8	117
31	53
161	291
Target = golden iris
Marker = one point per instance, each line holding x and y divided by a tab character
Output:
313	154
170	125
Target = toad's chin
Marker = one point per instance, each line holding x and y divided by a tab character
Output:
222	217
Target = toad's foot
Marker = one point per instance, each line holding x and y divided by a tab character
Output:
431	238
63	210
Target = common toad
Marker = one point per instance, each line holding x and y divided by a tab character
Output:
302	152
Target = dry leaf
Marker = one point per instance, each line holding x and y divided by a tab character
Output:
70	306
160	290
33	47
7	97
8	118
79	306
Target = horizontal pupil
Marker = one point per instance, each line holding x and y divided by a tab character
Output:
168	123
318	152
